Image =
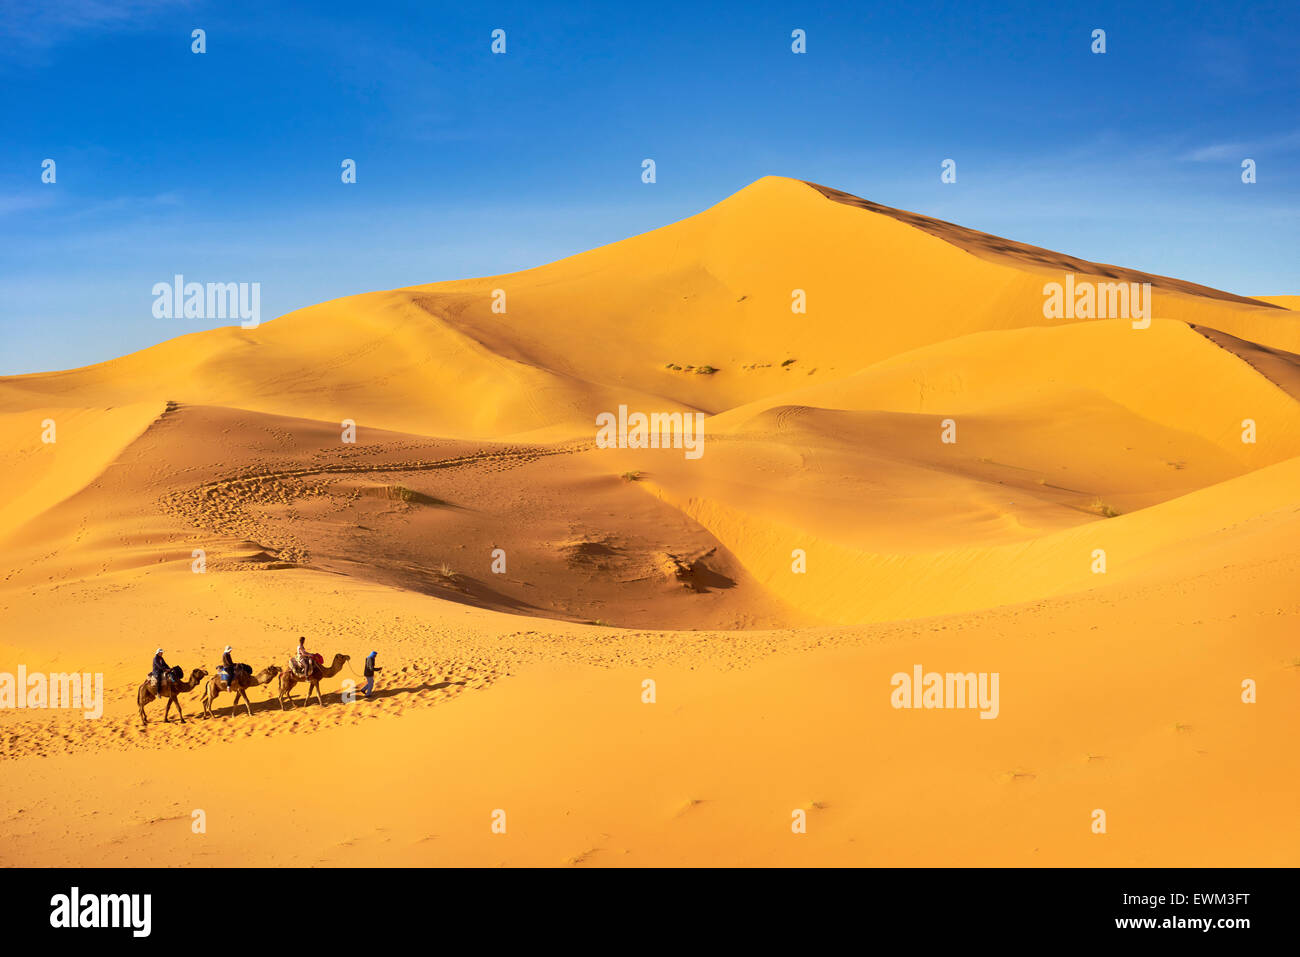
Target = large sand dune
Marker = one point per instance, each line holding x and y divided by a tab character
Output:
475	432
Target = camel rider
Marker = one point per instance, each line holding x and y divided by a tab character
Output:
159	669
228	663
304	657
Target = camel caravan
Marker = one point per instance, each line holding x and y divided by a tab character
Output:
236	677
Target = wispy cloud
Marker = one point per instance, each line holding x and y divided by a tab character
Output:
65	208
45	23
1217	152
1222	152
22	202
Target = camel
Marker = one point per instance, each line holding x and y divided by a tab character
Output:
288	679
239	685
144	695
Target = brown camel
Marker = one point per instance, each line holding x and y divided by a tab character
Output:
288	679
239	685
171	689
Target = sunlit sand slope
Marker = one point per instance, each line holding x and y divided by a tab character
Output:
52	452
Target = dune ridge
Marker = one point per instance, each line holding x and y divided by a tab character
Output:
999	249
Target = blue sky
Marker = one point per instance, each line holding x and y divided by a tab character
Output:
225	166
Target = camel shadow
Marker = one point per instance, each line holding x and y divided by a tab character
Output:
393	692
272	705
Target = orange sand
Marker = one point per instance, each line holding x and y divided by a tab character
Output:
1119	691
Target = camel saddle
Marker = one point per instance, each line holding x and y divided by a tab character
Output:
308	670
175	676
241	670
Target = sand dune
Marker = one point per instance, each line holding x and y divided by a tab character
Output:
1286	302
83	443
521	582
580	335
997	249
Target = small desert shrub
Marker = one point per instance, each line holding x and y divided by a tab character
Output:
1104	510
705	370
400	493
631	476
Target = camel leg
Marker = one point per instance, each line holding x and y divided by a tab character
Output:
178	707
247	704
143	719
319	700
